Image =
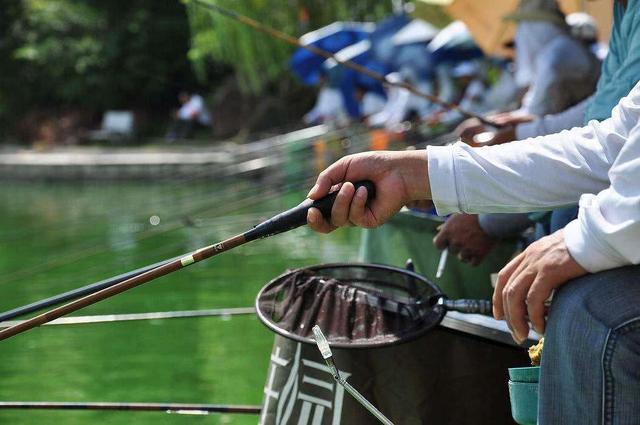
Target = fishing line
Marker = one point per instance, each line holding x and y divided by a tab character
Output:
83	223
131	317
283	222
171	408
90	251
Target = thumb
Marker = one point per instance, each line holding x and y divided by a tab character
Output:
440	239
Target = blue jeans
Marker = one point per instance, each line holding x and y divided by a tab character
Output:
590	372
561	217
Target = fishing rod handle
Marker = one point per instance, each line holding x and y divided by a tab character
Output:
297	216
469	306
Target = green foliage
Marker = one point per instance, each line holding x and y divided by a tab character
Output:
92	54
256	57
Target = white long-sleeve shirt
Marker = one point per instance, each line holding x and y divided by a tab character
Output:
598	164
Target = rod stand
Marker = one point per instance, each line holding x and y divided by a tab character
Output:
327	355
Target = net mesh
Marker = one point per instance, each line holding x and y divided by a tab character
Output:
354	305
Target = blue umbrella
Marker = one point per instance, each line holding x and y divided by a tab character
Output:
454	43
383	47
331	38
399	42
347	79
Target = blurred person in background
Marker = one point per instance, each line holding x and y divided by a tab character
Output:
329	107
475	236
547	56
369	101
589	370
192	113
558	69
469	79
401	103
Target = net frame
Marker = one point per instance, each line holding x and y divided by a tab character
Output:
424	297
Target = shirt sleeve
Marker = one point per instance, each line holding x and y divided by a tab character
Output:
531	175
554	123
564	75
606	233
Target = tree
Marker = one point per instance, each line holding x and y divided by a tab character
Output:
92	54
257	58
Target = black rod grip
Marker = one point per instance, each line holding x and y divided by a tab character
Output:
297	216
469	306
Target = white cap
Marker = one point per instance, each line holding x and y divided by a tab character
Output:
582	26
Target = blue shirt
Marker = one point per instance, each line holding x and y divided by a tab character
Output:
621	68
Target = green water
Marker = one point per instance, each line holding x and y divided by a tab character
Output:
55	237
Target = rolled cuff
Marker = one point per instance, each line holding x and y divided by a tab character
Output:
442	179
586	248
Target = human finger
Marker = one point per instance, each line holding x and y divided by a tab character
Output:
316	221
539	293
332	175
454	248
342	204
468	134
465	255
514	300
515	274
476	259
358	210
503	278
441	239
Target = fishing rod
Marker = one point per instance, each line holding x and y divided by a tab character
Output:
175	408
344	62
156	315
283	222
79	292
88	251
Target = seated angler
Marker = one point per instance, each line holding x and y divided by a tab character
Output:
592	333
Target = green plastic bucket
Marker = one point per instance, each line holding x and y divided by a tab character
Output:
523	393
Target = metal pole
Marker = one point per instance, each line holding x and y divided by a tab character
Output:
128	317
283	222
179	408
327	355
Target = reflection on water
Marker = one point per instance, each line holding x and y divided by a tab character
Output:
55	237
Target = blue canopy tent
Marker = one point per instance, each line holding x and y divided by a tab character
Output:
348	79
331	38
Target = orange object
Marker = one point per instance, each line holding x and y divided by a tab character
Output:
379	140
320	155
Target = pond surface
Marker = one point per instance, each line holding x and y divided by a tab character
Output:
56	237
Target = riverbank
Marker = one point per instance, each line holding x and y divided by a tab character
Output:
159	161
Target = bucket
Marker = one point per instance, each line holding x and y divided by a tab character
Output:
523	393
414	376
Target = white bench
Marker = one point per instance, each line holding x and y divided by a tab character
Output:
116	126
